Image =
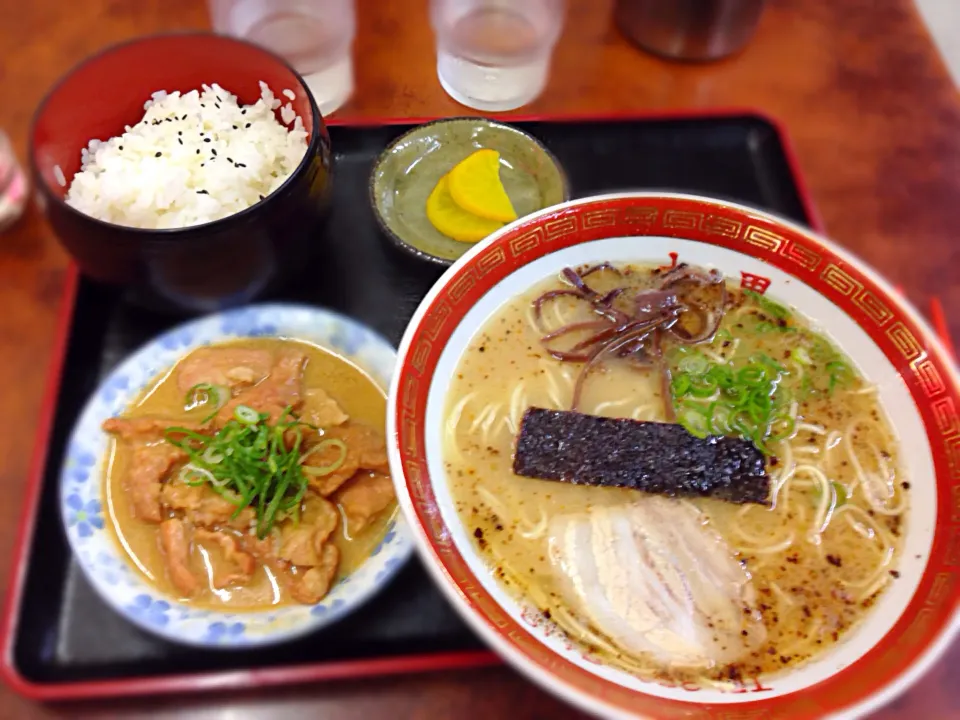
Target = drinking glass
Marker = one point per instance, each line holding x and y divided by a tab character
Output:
314	36
495	54
13	185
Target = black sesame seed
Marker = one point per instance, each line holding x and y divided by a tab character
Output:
179	132
202	192
248	124
184	117
243	112
261	197
218	98
158	154
121	147
198	151
206	139
213	150
230	159
180	141
217	105
235	127
240	165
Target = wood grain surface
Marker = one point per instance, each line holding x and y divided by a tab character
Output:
858	84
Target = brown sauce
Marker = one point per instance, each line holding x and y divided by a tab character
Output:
358	396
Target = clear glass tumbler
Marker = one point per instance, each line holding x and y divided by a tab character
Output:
314	36
495	54
13	185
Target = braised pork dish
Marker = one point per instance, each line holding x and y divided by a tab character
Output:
252	474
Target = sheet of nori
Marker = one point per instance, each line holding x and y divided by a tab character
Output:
659	458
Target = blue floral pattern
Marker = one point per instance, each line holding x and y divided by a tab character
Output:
349	338
150	611
84	516
79	464
218	631
328	609
387	539
247	323
113	385
114	570
106	566
390	567
176	339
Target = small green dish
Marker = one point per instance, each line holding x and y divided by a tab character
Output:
408	170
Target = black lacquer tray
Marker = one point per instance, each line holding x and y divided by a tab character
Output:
61	641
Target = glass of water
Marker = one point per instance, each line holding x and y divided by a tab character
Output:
314	36
13	185
495	54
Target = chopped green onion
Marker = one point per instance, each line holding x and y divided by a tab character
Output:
703	388
768	361
774	309
719	419
193	475
694	420
752	376
696	364
681	385
757	414
212	456
751	396
742	399
246	415
721	376
840	374
839	493
782	428
202	394
251	462
179	436
801	356
321	470
737	395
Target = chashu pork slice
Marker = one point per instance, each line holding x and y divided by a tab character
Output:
658	581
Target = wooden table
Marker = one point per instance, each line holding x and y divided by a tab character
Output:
858	84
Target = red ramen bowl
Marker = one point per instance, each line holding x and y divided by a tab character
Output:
910	623
198	268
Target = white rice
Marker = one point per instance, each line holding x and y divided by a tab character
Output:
193	158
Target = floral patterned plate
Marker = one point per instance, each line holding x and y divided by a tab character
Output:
81	485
